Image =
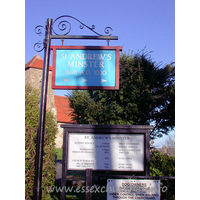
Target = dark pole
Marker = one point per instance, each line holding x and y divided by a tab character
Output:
88	194
41	129
64	163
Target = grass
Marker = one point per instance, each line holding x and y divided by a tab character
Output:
59	153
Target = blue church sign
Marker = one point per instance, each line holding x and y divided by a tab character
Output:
86	67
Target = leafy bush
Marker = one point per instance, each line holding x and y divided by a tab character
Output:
161	165
32	102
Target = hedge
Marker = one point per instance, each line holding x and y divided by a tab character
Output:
32	102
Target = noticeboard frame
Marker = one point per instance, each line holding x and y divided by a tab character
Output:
107	129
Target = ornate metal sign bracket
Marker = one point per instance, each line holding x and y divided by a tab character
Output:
61	27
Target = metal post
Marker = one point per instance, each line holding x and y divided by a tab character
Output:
41	129
88	194
64	164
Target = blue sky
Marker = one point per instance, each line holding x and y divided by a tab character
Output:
137	23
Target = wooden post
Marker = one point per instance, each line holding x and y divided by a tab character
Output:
88	194
147	153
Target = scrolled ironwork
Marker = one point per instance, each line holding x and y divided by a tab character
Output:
108	31
39	46
81	26
38	30
62	25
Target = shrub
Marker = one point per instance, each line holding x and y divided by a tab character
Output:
32	102
161	165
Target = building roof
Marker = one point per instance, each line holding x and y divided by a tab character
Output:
63	109
36	62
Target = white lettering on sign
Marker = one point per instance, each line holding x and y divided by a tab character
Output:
74	72
87	56
96	64
100	72
87	72
63	56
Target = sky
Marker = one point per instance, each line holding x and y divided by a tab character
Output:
138	24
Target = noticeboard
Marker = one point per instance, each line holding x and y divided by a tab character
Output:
86	67
115	152
106	147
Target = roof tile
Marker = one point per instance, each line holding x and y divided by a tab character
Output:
36	62
63	109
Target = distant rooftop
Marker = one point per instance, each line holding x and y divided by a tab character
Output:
63	109
36	62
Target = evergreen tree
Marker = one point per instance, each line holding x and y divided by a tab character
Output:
146	94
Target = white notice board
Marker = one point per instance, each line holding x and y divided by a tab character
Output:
117	152
133	189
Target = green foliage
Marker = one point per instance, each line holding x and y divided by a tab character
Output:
32	101
146	95
161	165
59	153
